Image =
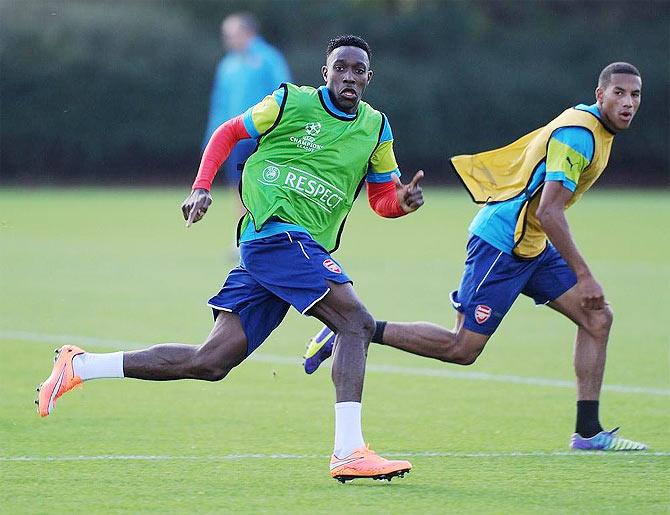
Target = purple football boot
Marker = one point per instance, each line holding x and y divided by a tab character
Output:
605	441
319	349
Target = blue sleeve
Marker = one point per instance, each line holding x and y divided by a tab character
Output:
260	117
249	123
247	118
382	177
279	95
569	152
577	138
387	133
383	156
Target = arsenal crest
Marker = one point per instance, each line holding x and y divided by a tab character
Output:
482	313
332	266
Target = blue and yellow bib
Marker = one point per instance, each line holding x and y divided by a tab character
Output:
509	180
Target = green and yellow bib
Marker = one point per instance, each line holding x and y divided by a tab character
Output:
310	165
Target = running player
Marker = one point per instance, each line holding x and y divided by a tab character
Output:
316	147
526	187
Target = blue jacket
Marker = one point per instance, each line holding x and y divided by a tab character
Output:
243	79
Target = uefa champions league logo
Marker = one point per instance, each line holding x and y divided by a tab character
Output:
306	141
270	173
313	128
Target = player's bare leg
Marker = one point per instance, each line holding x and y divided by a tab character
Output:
593	329
460	346
343	311
224	349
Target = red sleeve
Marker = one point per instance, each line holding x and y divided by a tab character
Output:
217	151
383	199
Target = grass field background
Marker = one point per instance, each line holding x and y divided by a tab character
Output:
115	269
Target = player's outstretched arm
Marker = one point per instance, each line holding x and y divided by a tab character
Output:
394	199
551	214
195	206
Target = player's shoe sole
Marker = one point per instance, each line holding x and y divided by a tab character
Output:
366	464
61	380
605	441
387	477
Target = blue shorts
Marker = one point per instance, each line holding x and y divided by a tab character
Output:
286	269
493	280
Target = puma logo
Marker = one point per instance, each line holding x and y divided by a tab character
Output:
570	162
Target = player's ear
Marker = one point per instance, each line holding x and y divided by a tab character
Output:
324	73
599	94
370	76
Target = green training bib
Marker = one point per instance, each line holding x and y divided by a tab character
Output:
310	165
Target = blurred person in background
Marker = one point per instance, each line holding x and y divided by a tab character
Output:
250	70
520	243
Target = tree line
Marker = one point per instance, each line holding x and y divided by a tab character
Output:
118	91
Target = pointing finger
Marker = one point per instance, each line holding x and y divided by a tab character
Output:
191	216
415	180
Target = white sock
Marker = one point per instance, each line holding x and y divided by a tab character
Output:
348	432
95	366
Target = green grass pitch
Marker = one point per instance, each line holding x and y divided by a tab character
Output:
118	269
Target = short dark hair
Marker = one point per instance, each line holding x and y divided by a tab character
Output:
348	40
611	69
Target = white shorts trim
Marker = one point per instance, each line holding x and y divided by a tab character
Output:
489	271
303	250
304	311
454	304
219	308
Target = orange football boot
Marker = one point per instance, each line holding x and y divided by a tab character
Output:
61	380
364	463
